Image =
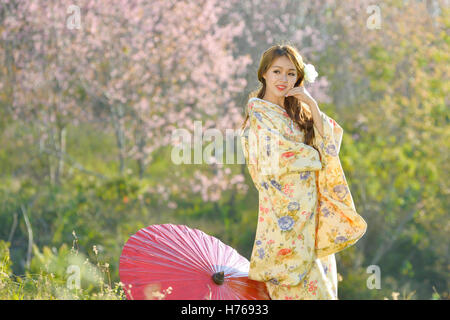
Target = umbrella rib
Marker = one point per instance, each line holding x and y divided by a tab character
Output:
194	250
190	260
194	257
218	254
179	263
202	253
172	253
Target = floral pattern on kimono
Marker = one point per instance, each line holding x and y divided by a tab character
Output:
306	212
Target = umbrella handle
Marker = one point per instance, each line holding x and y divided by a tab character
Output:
218	277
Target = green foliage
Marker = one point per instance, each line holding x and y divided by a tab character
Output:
5	262
52	275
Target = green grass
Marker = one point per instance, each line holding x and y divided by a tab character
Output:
53	281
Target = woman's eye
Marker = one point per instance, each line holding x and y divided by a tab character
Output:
291	74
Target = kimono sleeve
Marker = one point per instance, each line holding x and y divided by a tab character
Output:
276	154
339	225
330	144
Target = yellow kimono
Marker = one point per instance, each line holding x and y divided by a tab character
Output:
306	211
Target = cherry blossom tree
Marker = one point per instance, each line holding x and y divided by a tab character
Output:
166	65
145	68
43	90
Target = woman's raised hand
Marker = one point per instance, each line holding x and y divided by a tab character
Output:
302	95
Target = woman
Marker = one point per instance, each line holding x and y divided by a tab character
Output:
306	212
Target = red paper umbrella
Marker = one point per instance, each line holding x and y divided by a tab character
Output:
175	262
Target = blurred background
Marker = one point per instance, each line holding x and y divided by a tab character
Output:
91	91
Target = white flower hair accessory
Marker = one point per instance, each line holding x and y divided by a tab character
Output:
310	73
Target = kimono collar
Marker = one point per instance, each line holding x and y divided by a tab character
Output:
271	105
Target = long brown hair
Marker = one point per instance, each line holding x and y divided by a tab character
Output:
299	115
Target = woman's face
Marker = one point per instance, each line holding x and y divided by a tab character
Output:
280	77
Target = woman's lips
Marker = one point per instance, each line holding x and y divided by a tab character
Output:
281	88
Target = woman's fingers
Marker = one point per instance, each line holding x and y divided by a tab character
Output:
295	90
299	92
